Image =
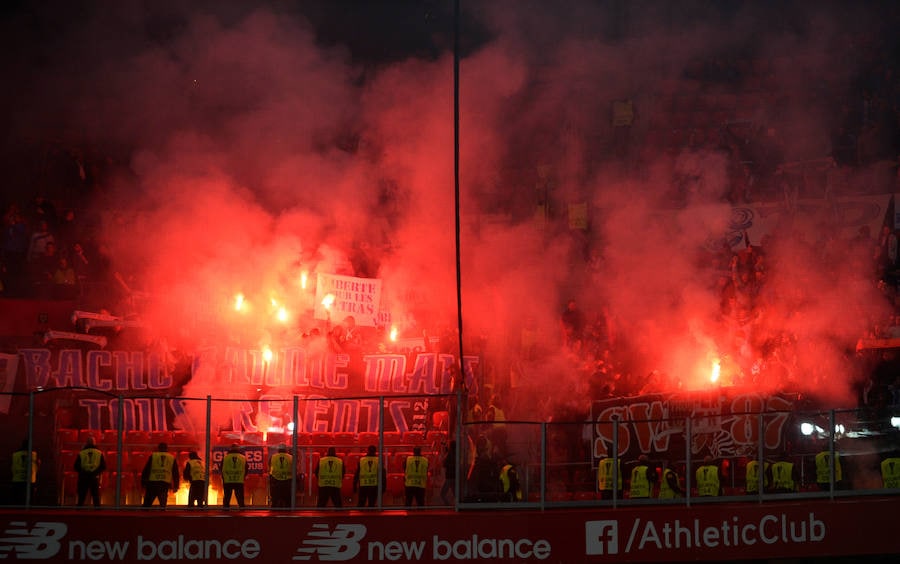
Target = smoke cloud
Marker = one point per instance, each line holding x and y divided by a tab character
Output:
256	152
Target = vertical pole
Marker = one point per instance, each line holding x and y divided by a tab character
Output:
296	418
687	462
120	433
208	452
29	461
457	456
381	453
543	464
615	468
831	460
760	457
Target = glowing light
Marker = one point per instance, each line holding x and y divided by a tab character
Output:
290	426
181	496
895	422
267	354
239	302
328	301
304	279
715	371
282	315
393	334
806	429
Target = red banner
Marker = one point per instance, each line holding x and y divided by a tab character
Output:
797	529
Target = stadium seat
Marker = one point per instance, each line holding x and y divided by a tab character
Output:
68	494
347	486
397	461
322	439
344	439
396	485
67	438
184	438
367	438
393	438
135	438
109	437
67	460
157	437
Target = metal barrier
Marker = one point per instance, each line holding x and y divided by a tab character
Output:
530	464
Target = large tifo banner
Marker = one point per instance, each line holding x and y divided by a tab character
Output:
803	530
340	296
721	424
335	394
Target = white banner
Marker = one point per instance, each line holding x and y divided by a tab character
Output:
9	364
340	296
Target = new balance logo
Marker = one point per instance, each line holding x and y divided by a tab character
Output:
340	544
602	537
40	541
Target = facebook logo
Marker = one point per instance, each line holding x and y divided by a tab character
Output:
602	537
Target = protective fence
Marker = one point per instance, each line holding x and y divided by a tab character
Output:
613	458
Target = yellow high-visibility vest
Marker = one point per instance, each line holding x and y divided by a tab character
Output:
752	477
890	472
368	471
605	474
416	471
161	464
90	459
640	484
665	490
331	472
198	472
822	471
234	468
20	466
281	465
782	475
708	480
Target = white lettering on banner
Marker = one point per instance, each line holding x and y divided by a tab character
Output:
35	543
343	543
602	537
190	549
176	549
478	549
98	550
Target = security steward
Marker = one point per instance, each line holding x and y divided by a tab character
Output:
670	485
89	464
751	478
159	474
330	473
823	470
281	470
643	479
784	477
605	477
234	471
709	479
195	474
509	479
890	472
20	482
416	477
366	478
